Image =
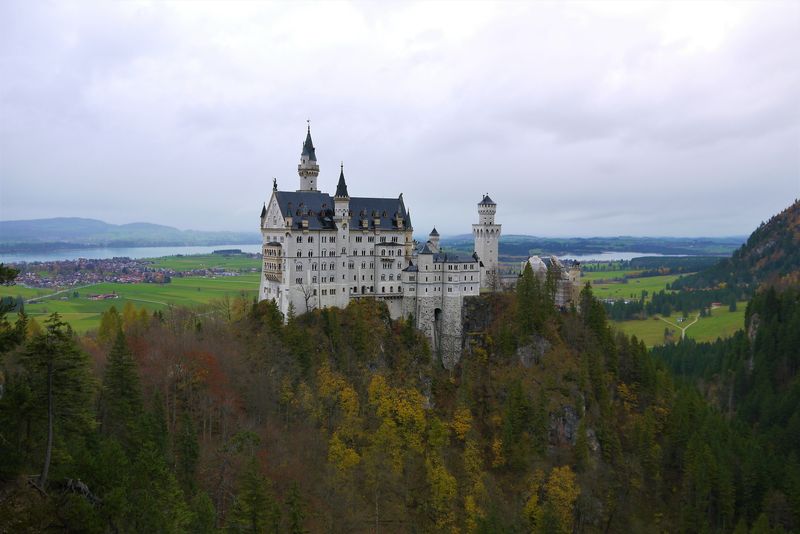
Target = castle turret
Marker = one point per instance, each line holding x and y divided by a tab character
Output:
487	238
308	168
433	239
341	199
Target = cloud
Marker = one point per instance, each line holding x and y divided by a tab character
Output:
590	118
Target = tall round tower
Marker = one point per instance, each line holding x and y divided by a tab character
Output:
487	240
308	168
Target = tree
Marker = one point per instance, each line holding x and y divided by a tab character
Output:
296	510
561	492
59	378
121	401
255	509
110	324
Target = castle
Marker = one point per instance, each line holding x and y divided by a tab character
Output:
322	251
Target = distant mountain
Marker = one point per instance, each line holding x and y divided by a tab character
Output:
75	232
514	246
771	255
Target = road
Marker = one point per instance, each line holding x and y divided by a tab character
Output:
49	295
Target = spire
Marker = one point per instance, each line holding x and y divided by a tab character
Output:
341	187
308	145
434	232
264	210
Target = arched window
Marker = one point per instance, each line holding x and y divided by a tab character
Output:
299	253
310	253
299	239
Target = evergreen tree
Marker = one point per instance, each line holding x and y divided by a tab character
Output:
255	509
59	379
121	401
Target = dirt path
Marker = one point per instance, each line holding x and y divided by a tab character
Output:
681	328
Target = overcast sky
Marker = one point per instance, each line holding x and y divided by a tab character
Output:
579	119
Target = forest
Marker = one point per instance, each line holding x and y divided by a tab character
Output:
342	420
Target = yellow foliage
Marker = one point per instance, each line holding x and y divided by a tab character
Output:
561	492
444	490
33	328
462	422
533	509
498	459
404	407
342	457
473	462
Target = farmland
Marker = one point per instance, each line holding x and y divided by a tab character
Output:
84	314
625	288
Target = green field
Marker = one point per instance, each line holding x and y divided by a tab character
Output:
84	314
631	288
721	323
202	261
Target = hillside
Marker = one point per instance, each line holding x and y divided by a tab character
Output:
771	255
74	232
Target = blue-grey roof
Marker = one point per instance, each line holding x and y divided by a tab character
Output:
308	147
434	232
341	187
318	207
385	209
487	201
263	211
426	250
448	257
313	206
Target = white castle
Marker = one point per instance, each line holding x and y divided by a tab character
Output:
322	251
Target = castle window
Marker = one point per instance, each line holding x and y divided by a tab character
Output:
371	265
383	239
299	267
344	250
324	266
324	239
299	239
391	277
333	291
298	280
310	239
333	239
449	289
394	239
391	289
324	292
358	239
383	289
333	266
324	253
383	252
313	279
310	253
371	239
313	266
383	278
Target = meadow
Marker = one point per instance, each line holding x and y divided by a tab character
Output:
721	323
234	263
627	288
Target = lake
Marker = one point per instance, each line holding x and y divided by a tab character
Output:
119	252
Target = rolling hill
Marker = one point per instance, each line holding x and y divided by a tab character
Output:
74	232
771	256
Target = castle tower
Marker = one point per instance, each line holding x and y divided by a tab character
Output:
433	239
487	238
308	168
341	199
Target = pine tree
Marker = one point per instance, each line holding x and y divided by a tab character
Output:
60	381
121	402
255	509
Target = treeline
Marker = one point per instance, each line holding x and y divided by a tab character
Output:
681	302
655	265
341	420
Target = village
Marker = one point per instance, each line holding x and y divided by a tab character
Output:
82	272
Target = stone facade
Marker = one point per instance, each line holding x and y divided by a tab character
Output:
569	277
321	250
